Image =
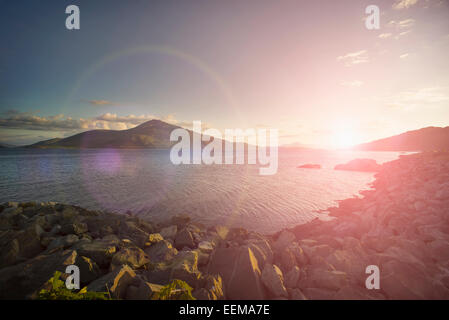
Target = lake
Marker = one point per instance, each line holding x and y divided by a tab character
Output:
145	182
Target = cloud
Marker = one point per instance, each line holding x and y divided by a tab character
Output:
404	4
354	58
403	56
27	121
385	35
355	83
402	24
101	102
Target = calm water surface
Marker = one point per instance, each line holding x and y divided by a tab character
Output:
145	182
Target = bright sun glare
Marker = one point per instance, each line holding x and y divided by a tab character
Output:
343	135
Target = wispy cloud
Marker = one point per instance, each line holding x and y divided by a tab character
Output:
354	58
385	35
404	4
403	56
402	24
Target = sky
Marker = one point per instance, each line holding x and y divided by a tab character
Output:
310	69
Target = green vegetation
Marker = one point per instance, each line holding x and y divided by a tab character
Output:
56	290
176	290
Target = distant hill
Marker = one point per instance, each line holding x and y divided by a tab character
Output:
151	134
425	139
6	145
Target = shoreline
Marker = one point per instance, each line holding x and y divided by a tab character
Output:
401	226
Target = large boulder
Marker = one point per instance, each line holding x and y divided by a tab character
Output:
22	280
184	239
161	251
145	291
185	267
240	272
63	242
273	280
100	251
169	232
132	256
89	270
115	282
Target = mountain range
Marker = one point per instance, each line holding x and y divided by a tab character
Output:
156	134
425	139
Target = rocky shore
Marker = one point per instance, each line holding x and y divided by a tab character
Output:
401	226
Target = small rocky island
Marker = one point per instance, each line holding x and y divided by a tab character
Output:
401	226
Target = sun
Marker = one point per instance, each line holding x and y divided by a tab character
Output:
343	135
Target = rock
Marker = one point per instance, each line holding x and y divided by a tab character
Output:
240	273
367	165
98	250
154	238
273	280
262	251
310	166
55	230
146	291
169	232
161	251
213	284
185	267
292	277
132	256
202	294
331	280
9	253
63	242
284	240
74	228
29	241
116	282
318	294
89	270
184	239
22	280
299	254
296	294
287	260
206	246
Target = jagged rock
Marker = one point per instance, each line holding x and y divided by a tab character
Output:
116	282
287	260
145	291
206	246
184	239
185	267
20	281
331	280
284	240
213	284
161	251
9	253
291	278
89	270
99	251
180	220
169	232
154	238
296	294
273	280
63	242
298	253
318	294
74	228
262	251
240	272
132	256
